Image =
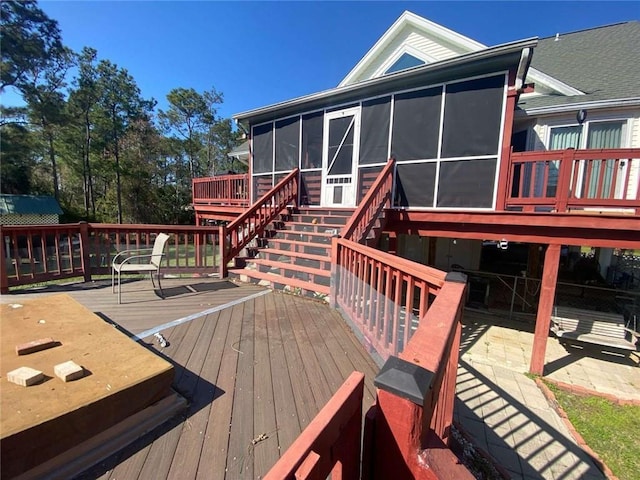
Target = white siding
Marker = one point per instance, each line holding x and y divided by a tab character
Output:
539	138
413	38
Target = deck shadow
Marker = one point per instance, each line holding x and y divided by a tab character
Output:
198	392
195	288
514	434
575	354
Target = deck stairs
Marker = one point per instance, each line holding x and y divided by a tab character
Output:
294	252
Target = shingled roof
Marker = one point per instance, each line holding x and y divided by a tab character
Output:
602	62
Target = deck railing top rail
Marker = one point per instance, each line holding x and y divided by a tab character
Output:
252	222
379	195
566	180
41	253
222	189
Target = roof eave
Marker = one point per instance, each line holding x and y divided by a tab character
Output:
572	107
488	57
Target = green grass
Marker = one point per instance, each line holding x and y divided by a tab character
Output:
610	430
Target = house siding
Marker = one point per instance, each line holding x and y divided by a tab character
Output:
540	131
412	37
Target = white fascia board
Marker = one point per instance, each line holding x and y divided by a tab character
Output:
408	18
539	77
572	107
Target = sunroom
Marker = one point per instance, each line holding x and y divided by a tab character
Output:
443	123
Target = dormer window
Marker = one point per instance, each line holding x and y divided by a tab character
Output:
405	61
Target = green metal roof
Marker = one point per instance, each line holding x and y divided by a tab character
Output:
29	205
602	62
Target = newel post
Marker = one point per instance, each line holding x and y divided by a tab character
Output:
563	190
222	239
84	251
335	273
402	389
4	279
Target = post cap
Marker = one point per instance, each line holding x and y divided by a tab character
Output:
404	379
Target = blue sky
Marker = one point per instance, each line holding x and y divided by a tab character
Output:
259	53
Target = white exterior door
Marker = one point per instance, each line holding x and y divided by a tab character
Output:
340	157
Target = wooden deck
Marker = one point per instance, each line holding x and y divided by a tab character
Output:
254	373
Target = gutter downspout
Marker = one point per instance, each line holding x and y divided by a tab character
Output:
523	67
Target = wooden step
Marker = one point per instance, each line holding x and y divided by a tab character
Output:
339	220
295	258
315	272
309	227
297	246
278	280
343	212
306	237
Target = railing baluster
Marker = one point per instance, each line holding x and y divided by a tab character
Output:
585	180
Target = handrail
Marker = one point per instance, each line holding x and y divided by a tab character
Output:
565	180
253	221
331	440
415	432
379	195
229	189
383	295
40	253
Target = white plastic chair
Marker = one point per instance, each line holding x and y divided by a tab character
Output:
129	261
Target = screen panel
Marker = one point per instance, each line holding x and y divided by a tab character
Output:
416	124
467	183
263	148
374	130
340	151
472	117
287	144
312	131
415	183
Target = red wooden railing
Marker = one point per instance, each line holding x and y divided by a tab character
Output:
410	440
566	180
39	253
377	198
331	442
222	190
252	222
384	295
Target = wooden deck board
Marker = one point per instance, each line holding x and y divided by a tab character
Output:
265	451
287	419
239	456
187	456
300	384
163	449
295	354
216	442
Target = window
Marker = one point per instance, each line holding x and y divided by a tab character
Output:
287	140
312	131
405	61
591	135
263	148
374	139
416	124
